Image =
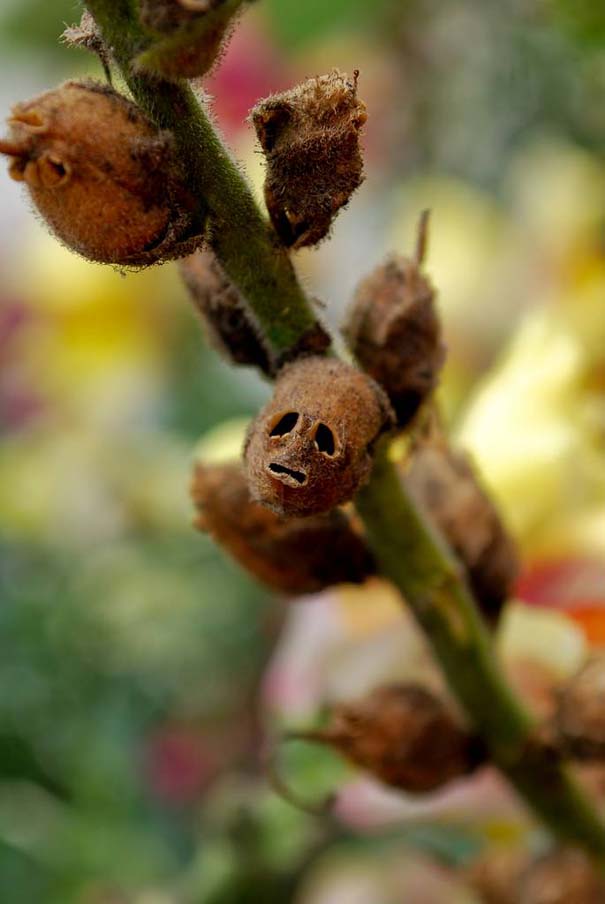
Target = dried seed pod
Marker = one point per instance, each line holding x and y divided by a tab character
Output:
223	311
310	447
394	331
580	716
496	877
445	486
564	876
194	34
295	555
310	137
102	176
403	735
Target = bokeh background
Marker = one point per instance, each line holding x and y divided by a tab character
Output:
142	675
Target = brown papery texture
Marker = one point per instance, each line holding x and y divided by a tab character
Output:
445	485
310	137
294	555
310	448
223	311
405	736
102	176
394	331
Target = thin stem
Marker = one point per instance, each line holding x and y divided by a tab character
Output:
241	238
409	553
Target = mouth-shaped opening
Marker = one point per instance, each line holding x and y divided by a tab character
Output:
292	477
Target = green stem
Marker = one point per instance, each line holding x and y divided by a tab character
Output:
409	553
412	556
240	236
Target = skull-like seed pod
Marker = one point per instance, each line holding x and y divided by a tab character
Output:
310	137
310	448
102	176
444	484
290	555
394	331
403	735
581	711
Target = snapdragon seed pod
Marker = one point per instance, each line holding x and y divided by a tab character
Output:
403	735
580	716
444	484
102	176
310	448
310	137
394	331
294	555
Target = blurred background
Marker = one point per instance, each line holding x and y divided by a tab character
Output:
141	672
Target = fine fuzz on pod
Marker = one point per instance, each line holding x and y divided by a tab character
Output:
310	448
223	311
394	331
580	716
310	137
444	484
403	735
294	555
102	176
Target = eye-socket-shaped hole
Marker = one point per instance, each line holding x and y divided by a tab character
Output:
324	439
53	172
285	424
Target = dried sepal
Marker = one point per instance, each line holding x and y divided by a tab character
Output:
310	137
295	555
580	714
394	330
223	311
404	736
104	179
445	485
193	34
87	35
310	448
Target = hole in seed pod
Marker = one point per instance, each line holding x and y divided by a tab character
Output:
285	424
324	440
52	171
298	476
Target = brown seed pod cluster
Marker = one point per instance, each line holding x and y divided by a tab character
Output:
294	555
563	876
194	33
394	331
310	137
403	735
580	716
102	176
310	447
444	484
223	311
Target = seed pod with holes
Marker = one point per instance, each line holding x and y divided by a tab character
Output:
445	486
394	331
223	311
310	137
193	35
580	716
294	555
102	176
403	735
310	448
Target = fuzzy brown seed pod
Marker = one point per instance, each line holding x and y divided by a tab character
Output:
444	484
496	877
102	176
294	555
394	331
580	716
310	448
194	34
403	735
223	311
310	137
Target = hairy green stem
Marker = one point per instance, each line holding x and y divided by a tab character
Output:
240	236
409	553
